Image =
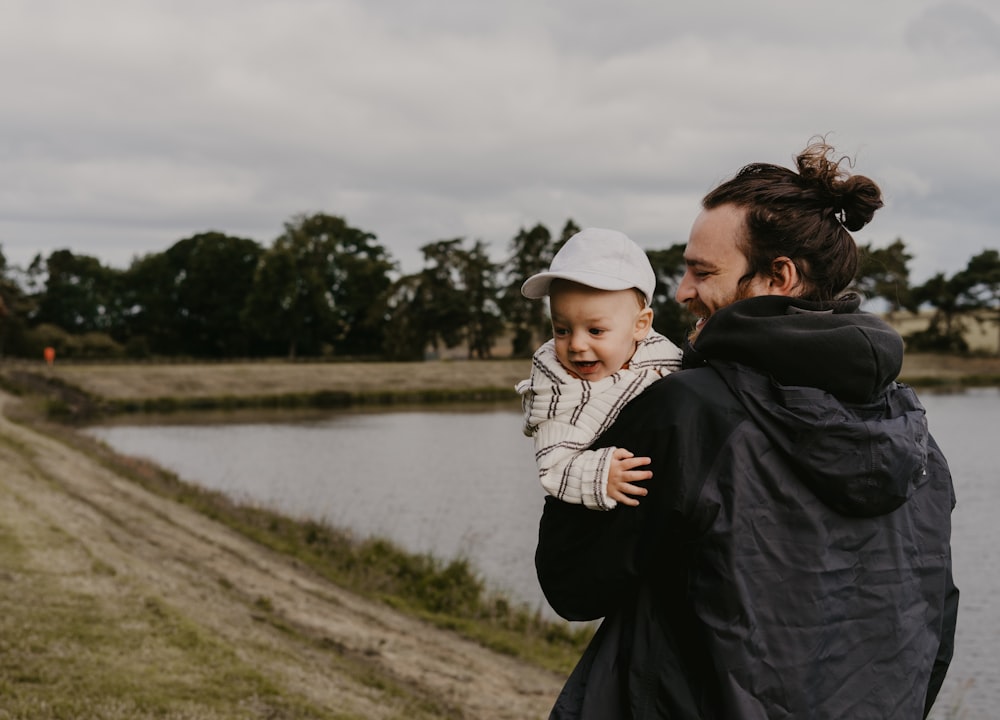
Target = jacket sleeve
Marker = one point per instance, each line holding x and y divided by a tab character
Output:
588	561
575	476
949	611
584	559
947	647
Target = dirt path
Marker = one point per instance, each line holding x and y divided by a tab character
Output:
97	533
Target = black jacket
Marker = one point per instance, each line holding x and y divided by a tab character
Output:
792	558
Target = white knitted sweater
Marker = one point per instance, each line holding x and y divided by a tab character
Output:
565	415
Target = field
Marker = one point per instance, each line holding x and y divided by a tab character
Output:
188	383
290	379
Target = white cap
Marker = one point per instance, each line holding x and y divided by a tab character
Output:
597	258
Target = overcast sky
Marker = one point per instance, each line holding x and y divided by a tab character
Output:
127	125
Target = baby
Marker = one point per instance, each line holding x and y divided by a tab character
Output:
603	353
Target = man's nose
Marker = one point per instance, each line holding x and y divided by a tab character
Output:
685	289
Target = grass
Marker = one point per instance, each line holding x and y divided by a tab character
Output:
65	652
82	392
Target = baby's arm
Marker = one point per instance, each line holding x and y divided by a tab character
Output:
599	479
623	473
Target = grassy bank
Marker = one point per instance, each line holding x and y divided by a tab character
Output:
86	391
447	594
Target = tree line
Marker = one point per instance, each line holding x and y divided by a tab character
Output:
326	289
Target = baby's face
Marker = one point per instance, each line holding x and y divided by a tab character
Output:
595	331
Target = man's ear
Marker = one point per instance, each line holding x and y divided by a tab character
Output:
643	324
784	278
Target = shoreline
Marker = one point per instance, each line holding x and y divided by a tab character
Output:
82	391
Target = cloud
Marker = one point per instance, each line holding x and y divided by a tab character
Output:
955	34
129	126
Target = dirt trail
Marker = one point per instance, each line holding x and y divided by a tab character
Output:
307	634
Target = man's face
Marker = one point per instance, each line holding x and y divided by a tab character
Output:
715	265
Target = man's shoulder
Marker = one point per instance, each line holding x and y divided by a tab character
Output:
673	394
684	382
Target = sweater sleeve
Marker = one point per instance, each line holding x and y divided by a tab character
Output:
570	473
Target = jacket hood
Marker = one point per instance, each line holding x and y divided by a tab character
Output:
832	346
818	380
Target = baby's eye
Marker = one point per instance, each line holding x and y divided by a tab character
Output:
596	331
560	332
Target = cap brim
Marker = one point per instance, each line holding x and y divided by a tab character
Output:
537	286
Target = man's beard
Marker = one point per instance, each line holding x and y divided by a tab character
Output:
700	310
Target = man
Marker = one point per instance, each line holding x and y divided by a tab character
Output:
792	557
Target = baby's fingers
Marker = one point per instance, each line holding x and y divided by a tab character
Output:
625	492
631	463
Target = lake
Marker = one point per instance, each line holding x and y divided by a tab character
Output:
460	482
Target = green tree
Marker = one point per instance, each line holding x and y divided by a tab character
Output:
408	329
451	300
531	252
212	277
361	274
149	296
314	287
982	285
15	308
79	294
884	273
187	300
946	330
479	281
447	311
289	303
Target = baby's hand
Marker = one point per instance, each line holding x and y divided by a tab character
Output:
623	473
